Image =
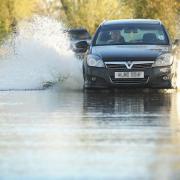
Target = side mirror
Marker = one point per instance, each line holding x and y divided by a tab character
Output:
81	47
177	42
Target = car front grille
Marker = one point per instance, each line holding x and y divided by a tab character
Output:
124	65
116	66
142	66
121	66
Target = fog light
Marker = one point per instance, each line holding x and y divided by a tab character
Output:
93	78
165	78
164	70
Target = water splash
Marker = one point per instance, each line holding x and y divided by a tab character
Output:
178	66
37	54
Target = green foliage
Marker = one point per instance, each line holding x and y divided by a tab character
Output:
50	8
13	10
90	13
165	10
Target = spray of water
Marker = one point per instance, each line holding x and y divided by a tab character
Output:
178	67
39	54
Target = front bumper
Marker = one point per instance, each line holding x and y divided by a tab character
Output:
155	77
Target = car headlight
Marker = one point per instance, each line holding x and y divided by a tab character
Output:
95	61
163	60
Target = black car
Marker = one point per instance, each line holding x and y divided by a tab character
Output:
79	34
76	35
129	53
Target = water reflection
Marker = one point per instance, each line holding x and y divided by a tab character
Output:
146	107
90	135
148	120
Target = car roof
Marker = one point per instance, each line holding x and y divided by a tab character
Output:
131	21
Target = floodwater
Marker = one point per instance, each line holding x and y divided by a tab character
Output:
89	135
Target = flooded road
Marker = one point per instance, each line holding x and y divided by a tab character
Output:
89	135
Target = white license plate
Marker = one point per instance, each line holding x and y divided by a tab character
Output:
128	75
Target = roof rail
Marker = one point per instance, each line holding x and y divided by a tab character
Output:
103	21
159	21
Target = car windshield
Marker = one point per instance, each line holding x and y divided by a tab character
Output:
131	34
79	35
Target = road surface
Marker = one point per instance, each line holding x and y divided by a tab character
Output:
79	135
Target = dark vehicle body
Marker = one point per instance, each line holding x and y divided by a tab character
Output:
79	34
76	35
142	57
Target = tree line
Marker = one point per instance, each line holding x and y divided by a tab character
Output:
89	13
12	11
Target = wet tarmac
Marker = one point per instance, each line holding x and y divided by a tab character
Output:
89	135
